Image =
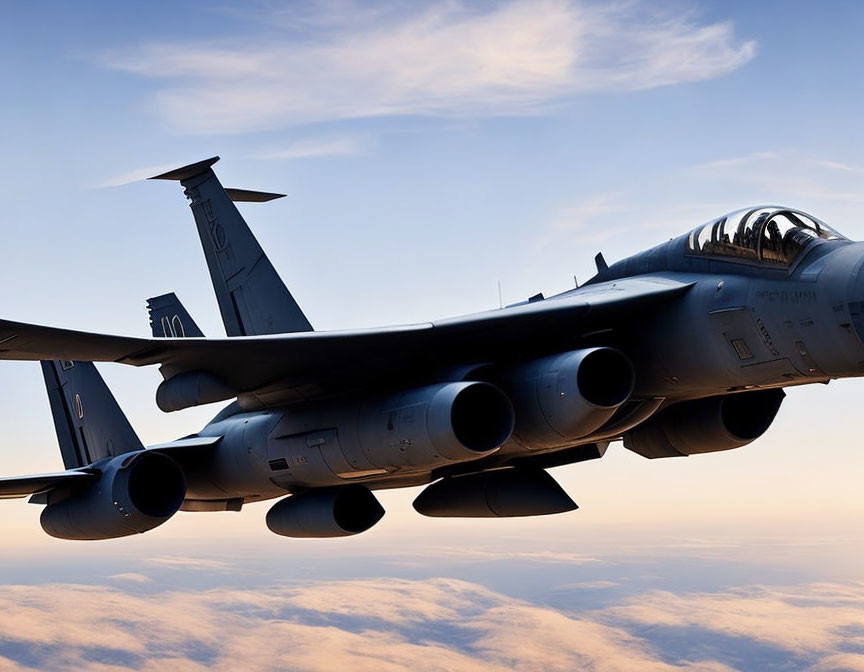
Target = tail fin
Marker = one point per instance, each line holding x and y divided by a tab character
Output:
252	298
89	423
170	319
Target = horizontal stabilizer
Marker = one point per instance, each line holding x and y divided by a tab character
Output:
236	195
190	453
187	172
189	444
249	196
23	486
170	319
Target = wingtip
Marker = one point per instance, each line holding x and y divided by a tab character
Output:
185	172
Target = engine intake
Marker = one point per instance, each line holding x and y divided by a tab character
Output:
135	493
422	427
462	419
706	425
326	512
567	396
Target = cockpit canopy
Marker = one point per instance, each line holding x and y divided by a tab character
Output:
767	235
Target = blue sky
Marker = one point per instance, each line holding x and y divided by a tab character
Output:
431	150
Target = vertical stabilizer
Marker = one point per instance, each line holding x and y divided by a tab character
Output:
252	298
89	423
170	319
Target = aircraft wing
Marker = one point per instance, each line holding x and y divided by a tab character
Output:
305	360
23	486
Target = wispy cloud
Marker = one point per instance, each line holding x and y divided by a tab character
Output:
599	584
818	617
312	149
842	662
736	162
786	176
839	165
395	600
441	58
480	554
308	148
831	189
604	217
581	220
135	175
133	577
181	562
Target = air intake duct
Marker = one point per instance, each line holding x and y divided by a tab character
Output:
564	397
135	493
706	425
437	424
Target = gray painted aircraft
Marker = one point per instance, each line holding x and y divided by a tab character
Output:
682	349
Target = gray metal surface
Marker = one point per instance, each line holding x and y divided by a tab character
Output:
252	298
21	486
170	319
679	350
319	362
88	421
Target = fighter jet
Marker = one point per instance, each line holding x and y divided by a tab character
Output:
683	349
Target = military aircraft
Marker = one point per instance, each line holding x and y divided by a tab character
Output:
685	348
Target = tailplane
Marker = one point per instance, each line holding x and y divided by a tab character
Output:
252	298
90	425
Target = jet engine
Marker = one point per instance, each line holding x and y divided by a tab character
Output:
135	493
706	425
567	396
326	512
457	421
326	442
501	493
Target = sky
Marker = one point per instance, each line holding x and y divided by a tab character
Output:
430	151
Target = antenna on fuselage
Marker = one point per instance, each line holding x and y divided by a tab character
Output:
500	296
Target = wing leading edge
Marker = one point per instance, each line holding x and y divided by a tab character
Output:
298	360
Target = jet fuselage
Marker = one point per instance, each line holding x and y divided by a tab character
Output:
739	327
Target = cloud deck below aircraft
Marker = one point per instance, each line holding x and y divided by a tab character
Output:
436	624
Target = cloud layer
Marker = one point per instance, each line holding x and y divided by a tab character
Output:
440	58
438	624
787	174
